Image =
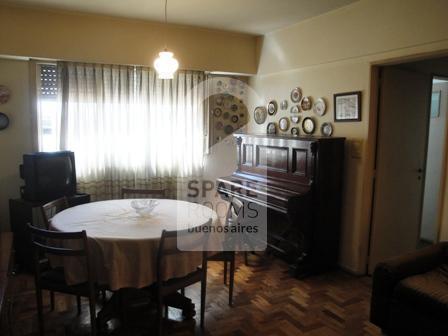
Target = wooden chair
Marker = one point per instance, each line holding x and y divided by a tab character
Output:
166	288
49	210
228	257
53	279
147	193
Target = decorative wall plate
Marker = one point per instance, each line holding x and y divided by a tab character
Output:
217	112
5	94
234	119
295	131
308	125
4	121
320	107
306	103
326	129
219	101
296	94
260	114
294	109
284	104
226	115
219	125
234	107
272	107
283	124
271	128
228	129
295	119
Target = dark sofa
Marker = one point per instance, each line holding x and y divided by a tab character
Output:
410	293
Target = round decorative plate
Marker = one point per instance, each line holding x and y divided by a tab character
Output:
228	129
234	119
294	109
320	107
234	107
326	129
226	115
283	124
219	101
4	121
271	128
306	103
217	112
260	114
296	94
295	131
284	104
219	125
295	119
272	107
308	125
5	94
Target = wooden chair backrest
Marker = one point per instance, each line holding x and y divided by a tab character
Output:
147	193
50	209
47	242
197	242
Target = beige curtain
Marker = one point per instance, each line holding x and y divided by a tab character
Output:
129	128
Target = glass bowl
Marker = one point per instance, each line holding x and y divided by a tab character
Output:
144	207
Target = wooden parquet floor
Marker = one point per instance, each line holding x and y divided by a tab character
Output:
267	301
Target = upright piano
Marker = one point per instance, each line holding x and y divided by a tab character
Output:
298	181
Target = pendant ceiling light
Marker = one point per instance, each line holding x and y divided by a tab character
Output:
166	65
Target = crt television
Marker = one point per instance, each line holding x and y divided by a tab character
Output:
48	176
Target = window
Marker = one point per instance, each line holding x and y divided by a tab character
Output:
48	110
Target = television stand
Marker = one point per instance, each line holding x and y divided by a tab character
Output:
22	212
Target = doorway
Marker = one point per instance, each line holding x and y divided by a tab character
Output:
410	158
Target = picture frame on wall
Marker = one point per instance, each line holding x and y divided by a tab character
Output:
347	106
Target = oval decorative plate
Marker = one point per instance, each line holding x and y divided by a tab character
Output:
294	131
219	101
308	125
296	94
295	119
272	107
283	124
260	114
306	103
326	129
5	94
294	109
4	121
271	128
320	107
284	104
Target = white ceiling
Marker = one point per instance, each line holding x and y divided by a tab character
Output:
249	16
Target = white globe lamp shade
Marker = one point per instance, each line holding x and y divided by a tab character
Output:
166	65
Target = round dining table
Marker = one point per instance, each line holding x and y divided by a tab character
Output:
123	245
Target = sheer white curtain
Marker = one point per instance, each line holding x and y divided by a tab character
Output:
129	128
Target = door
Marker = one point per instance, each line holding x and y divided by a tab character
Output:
400	158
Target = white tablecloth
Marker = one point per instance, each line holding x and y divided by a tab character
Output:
123	246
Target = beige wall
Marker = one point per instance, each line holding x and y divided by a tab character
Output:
103	39
16	139
334	53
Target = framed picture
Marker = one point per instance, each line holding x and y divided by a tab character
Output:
347	106
435	104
